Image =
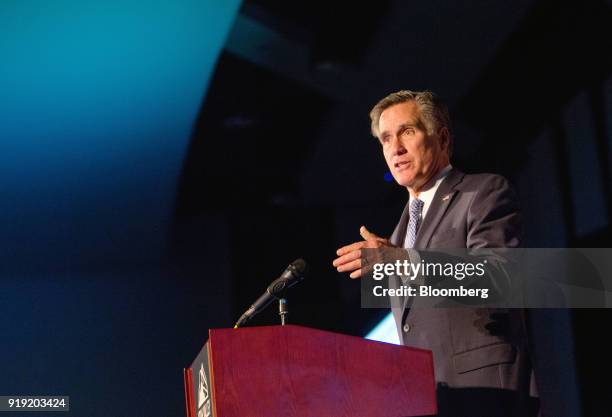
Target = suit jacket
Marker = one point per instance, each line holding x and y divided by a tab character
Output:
468	211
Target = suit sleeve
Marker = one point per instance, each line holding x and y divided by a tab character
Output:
494	219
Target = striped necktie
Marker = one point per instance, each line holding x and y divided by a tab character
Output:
416	208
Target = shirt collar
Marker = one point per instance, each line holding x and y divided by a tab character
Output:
428	195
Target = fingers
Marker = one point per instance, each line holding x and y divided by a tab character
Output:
371	237
368	237
352	262
349	256
353	251
344	259
366	234
356	268
351	267
350	248
355	274
365	267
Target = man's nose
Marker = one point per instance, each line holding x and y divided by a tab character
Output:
397	147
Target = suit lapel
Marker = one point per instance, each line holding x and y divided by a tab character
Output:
440	203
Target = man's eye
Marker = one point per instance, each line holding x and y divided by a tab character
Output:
408	131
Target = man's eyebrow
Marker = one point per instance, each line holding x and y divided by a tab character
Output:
407	124
400	128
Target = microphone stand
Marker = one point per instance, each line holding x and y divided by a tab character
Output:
283	310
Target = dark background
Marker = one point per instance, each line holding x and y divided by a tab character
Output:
280	165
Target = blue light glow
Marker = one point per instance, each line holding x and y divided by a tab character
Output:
385	331
96	111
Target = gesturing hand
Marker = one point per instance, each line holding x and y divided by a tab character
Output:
349	256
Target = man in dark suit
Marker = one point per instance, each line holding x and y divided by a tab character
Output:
480	359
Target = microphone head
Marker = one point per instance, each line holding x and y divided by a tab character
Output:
294	273
300	267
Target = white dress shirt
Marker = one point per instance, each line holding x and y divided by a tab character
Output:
427	196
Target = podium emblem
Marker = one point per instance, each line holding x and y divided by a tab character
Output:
203	393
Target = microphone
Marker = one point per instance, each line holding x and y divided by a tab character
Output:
294	273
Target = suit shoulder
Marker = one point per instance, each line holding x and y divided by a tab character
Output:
480	182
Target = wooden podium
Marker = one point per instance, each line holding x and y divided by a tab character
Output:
294	371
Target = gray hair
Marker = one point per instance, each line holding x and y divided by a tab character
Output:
434	113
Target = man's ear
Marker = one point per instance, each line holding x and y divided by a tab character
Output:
444	135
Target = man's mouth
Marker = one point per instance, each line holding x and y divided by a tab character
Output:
402	165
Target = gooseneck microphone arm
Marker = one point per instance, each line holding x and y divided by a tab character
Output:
293	274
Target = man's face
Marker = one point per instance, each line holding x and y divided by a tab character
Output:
412	155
